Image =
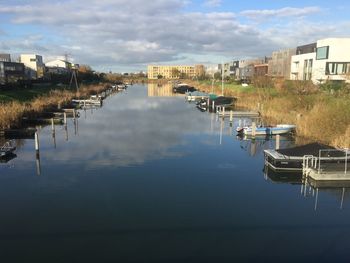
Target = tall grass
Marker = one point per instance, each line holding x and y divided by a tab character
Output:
11	113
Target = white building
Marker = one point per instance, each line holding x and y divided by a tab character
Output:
59	63
34	66
328	60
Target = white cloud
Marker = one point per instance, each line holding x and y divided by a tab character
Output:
128	34
283	12
213	3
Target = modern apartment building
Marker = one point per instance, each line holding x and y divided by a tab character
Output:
246	69
5	57
280	63
11	72
34	66
328	59
174	72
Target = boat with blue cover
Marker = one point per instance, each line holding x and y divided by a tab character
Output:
267	130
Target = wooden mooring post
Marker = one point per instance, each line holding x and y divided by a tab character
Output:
65	118
213	105
278	142
36	137
37	153
231	116
52	125
253	129
223	112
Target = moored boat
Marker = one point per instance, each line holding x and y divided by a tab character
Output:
267	130
222	101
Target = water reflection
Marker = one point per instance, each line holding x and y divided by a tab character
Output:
162	90
257	145
309	188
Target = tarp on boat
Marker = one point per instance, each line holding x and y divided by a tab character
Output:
311	149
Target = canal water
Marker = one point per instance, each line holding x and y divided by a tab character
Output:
149	178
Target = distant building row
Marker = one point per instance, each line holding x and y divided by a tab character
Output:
327	59
174	72
30	67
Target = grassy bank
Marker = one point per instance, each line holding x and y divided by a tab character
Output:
319	115
31	102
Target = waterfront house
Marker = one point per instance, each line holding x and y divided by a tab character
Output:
10	72
280	64
326	60
34	66
5	57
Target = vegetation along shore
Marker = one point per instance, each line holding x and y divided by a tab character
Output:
321	113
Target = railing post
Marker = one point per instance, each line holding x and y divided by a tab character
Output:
319	162
346	161
253	129
277	142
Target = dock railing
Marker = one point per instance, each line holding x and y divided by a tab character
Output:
333	160
328	160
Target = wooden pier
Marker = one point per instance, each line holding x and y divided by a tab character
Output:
240	114
320	169
88	102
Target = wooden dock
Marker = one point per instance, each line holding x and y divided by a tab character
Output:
88	102
239	114
320	170
329	175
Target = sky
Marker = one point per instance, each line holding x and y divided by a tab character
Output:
126	35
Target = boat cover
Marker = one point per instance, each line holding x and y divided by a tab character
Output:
311	149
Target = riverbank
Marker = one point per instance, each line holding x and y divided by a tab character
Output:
23	105
319	116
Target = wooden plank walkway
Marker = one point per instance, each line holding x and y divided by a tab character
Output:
327	175
236	114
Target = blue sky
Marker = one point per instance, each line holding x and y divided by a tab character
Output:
126	35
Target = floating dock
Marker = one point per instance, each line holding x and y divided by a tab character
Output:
89	102
242	114
327	169
291	159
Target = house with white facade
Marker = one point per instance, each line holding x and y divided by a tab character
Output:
34	66
328	59
59	63
59	66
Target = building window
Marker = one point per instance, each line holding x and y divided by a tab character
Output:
322	53
337	68
32	60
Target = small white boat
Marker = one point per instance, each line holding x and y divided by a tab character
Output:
267	130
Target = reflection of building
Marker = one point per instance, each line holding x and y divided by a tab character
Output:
280	63
328	59
174	72
161	90
34	66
